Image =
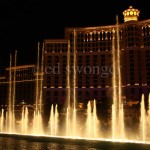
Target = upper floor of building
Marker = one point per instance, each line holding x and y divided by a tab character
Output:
132	33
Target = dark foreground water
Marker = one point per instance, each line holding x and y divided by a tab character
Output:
16	143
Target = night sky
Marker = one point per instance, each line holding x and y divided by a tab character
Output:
25	22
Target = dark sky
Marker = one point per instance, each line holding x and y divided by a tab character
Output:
25	22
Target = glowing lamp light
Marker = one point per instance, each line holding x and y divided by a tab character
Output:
131	14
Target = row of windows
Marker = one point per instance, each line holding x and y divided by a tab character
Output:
32	78
57	50
79	56
56	45
93	36
95	44
79	93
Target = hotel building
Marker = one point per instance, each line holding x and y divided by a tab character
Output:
24	85
90	49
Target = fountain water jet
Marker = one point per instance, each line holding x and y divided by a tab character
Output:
14	92
2	121
89	116
10	116
37	119
53	120
96	122
68	122
37	123
117	106
71	116
56	120
92	122
148	112
148	117
143	120
24	121
68	91
74	120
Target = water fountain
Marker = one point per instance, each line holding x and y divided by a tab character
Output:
92	125
10	116
148	117
117	107
2	121
71	119
144	120
53	121
24	121
92	122
37	127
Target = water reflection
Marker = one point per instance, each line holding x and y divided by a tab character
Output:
18	144
13	144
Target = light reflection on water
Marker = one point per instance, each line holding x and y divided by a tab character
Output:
15	144
18	144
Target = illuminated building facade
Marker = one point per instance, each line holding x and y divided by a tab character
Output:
91	46
55	77
25	84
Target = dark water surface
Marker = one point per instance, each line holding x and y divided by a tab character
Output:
17	143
